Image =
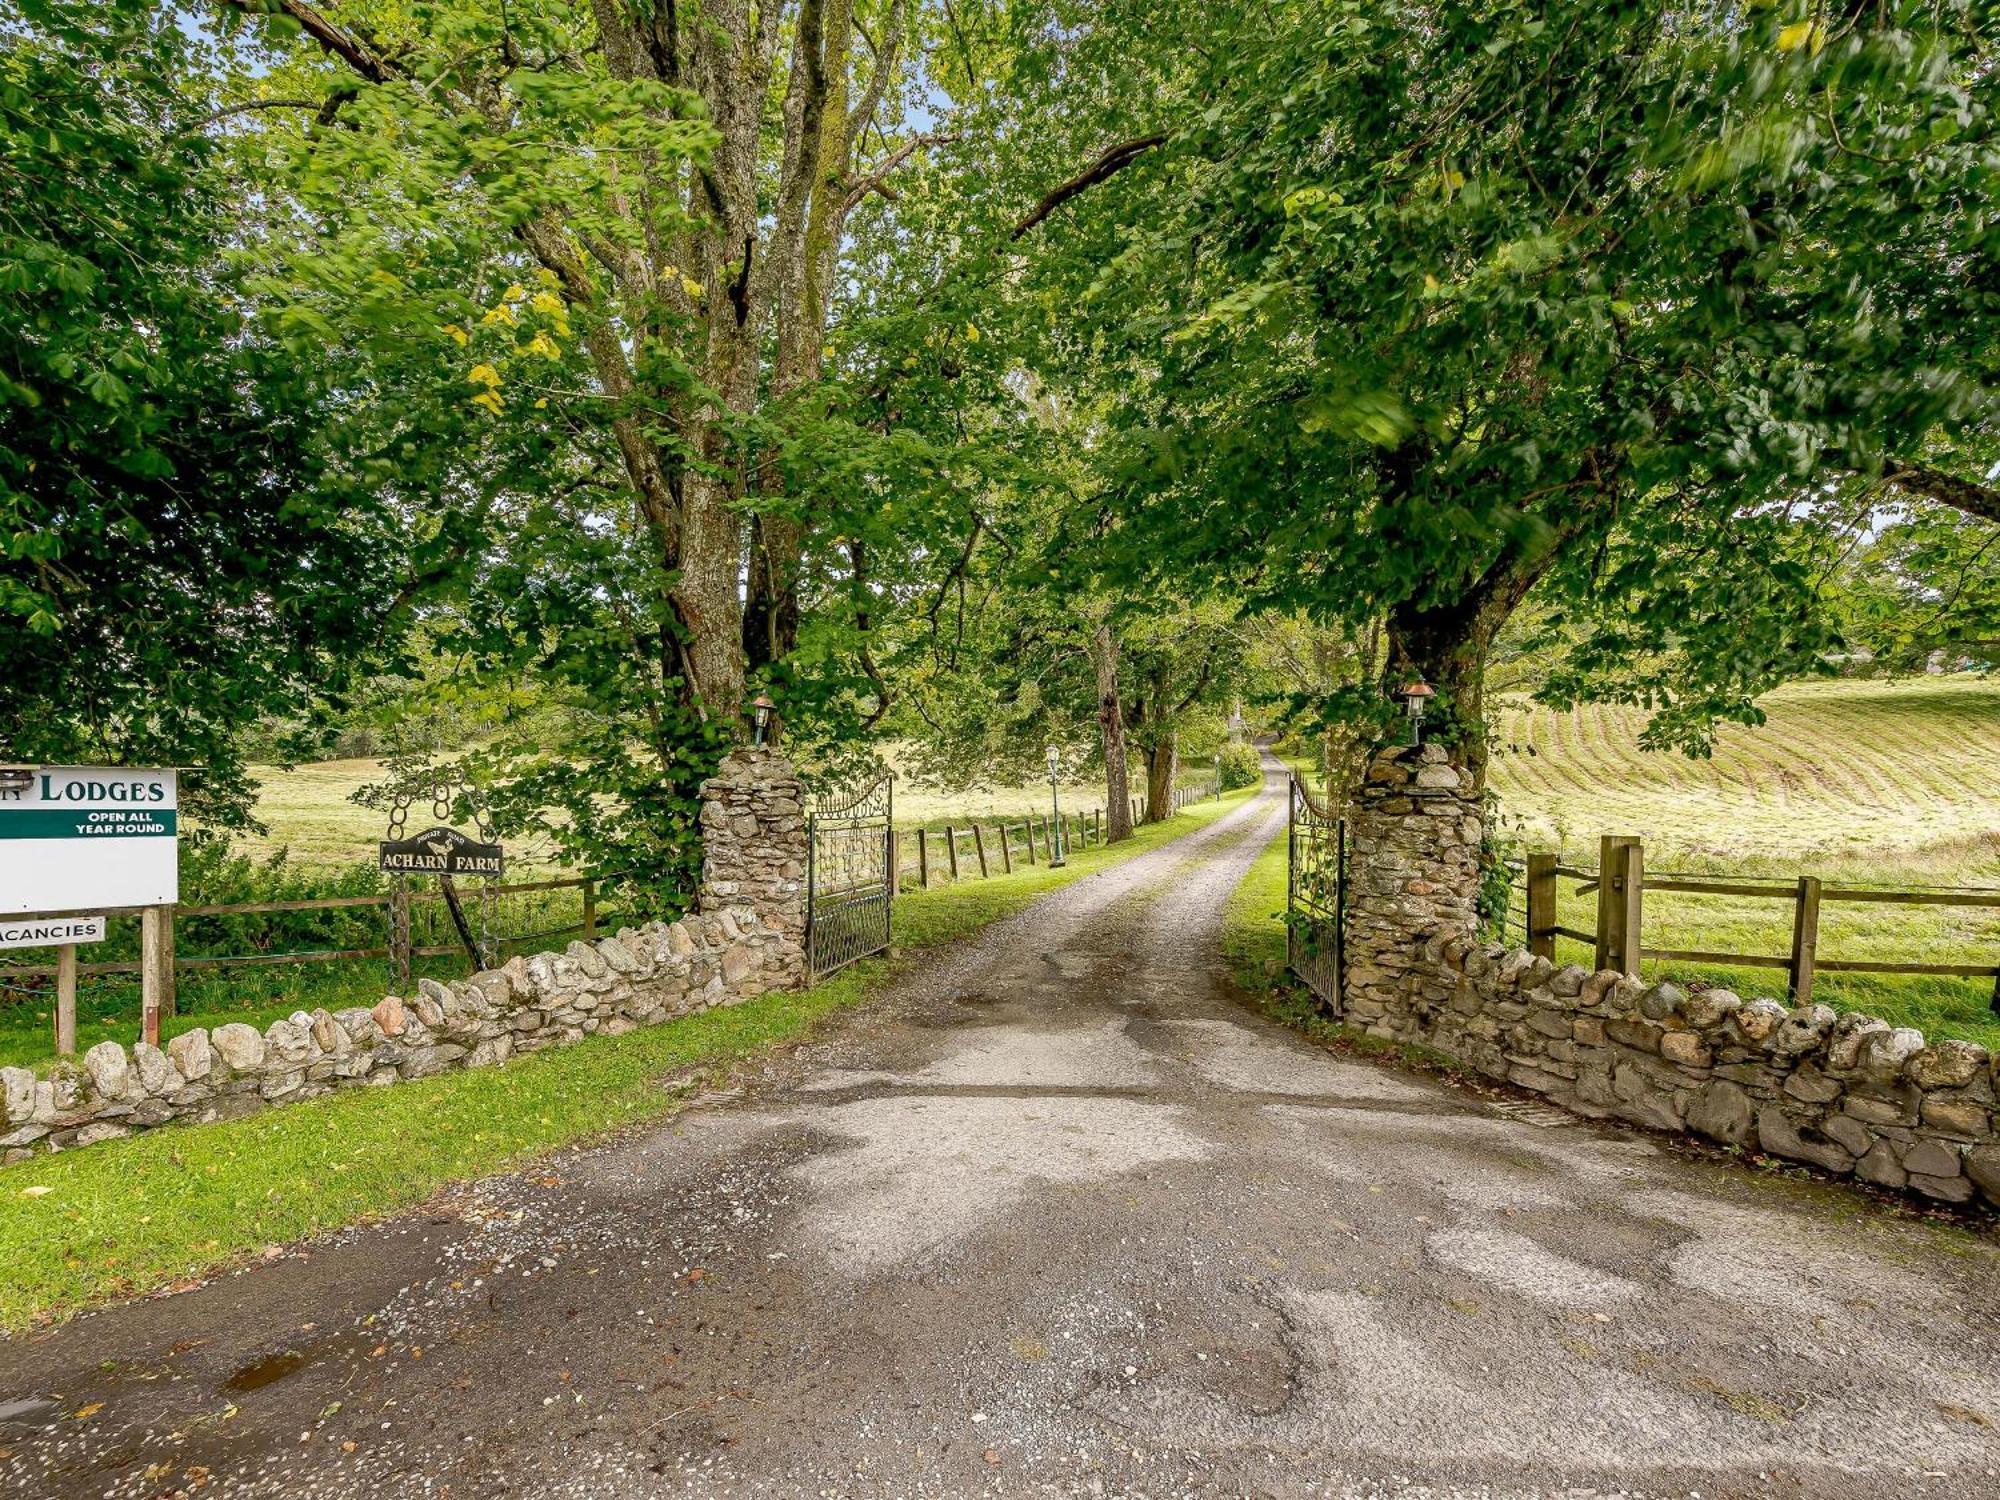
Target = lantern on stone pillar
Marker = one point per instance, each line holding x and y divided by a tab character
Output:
1416	695
760	713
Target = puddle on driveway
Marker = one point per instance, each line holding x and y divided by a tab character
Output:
266	1371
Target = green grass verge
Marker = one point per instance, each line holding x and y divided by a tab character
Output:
128	1216
1253	921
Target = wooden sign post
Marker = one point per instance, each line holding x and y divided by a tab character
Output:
63	934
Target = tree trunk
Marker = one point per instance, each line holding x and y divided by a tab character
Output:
1447	648
1162	763
1111	727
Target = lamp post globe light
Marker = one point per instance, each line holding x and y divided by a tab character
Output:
1057	848
1416	695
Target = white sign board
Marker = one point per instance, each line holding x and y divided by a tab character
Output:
81	838
49	932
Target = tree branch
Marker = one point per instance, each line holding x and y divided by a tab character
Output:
1932	483
369	63
877	180
1114	160
326	109
878	77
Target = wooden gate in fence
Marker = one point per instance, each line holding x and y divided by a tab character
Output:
1315	896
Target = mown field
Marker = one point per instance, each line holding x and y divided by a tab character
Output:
1887	784
1841	772
307	812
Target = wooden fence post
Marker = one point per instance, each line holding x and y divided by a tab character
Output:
399	931
590	909
979	848
156	970
923	860
1620	892
1028	833
1632	923
951	851
1541	895
66	1000
1006	851
1805	939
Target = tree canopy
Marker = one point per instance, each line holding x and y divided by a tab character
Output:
181	552
979	373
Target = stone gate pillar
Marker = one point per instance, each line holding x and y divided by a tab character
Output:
753	843
1413	884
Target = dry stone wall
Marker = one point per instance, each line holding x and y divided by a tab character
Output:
747	939
1847	1093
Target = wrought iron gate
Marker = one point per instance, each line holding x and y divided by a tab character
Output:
1315	896
849	875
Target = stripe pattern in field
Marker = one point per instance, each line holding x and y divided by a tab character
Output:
1840	771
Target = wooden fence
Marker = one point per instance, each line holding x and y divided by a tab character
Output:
1621	883
976	850
158	964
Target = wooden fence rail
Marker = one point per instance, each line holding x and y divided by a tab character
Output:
158	963
1621	884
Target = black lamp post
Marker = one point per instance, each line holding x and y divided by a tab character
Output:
760	712
1416	695
1056	849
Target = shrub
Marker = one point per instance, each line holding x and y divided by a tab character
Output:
1241	766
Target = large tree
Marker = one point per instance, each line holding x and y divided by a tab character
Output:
680	179
1422	308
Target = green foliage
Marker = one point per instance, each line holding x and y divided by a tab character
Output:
1421	308
1923	588
178	552
1241	766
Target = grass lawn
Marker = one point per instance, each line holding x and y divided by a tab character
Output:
1253	920
129	1216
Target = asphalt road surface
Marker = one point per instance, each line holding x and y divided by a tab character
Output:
1062	1217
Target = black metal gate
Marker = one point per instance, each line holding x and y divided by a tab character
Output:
849	868
1315	896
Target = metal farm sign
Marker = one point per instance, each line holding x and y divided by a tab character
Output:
442	851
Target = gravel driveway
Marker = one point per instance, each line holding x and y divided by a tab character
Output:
1061	1217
